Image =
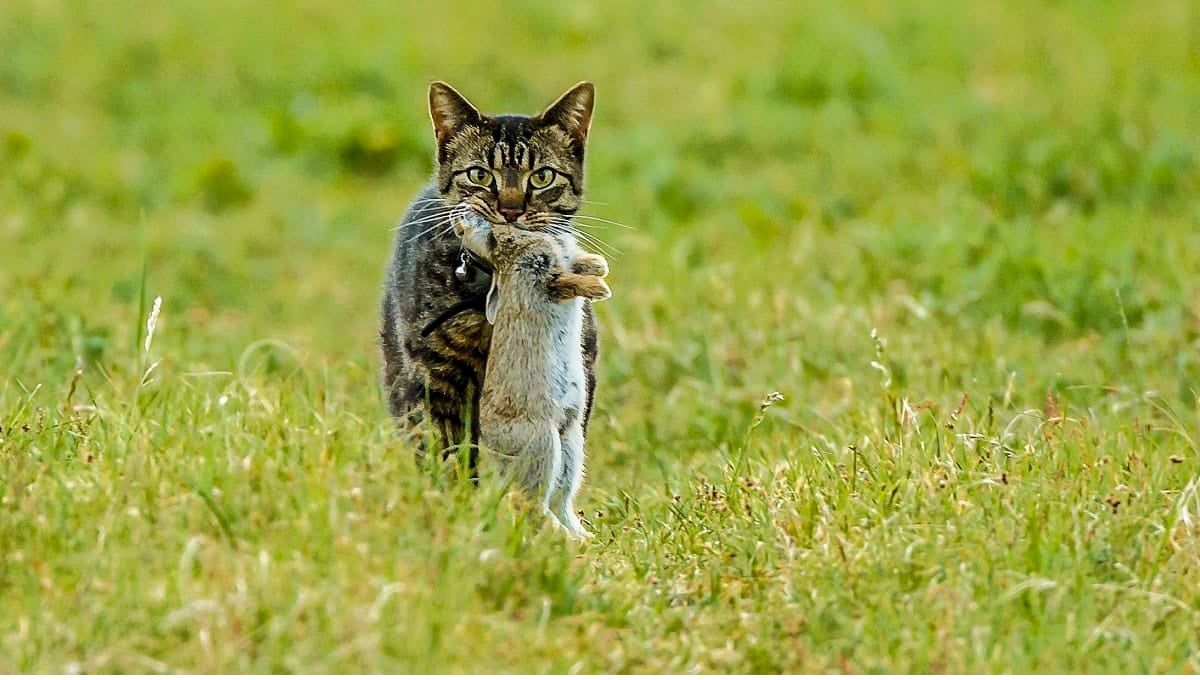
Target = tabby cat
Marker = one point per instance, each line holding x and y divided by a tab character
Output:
521	170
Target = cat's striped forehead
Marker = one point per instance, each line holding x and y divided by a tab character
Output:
512	142
516	154
516	142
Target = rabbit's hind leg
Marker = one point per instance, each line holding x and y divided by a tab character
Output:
532	457
569	480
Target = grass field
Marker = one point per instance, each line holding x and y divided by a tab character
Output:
962	240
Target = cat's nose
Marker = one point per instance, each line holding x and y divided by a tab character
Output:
512	214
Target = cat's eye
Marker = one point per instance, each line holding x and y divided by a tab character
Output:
479	176
540	179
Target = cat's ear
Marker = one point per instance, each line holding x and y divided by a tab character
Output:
449	110
573	111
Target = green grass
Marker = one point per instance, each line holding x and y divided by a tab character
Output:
962	239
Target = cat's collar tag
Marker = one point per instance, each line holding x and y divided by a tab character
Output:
461	273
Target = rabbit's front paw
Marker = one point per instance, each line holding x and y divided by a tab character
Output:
590	264
570	286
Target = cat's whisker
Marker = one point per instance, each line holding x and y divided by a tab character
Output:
566	228
437	209
427	201
434	219
445	232
606	221
448	221
431	218
607	250
568	223
482	210
427	231
596	242
426	209
442	212
490	216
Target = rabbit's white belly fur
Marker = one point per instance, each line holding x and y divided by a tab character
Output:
567	378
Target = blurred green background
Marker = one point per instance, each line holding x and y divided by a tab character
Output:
1004	194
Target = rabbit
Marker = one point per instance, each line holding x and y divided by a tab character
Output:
535	387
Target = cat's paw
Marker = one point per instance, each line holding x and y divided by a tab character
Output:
569	286
590	264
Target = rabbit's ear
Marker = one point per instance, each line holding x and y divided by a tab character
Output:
493	299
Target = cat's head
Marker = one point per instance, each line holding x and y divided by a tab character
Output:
521	170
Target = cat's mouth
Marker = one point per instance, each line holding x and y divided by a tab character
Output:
474	228
528	221
517	224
